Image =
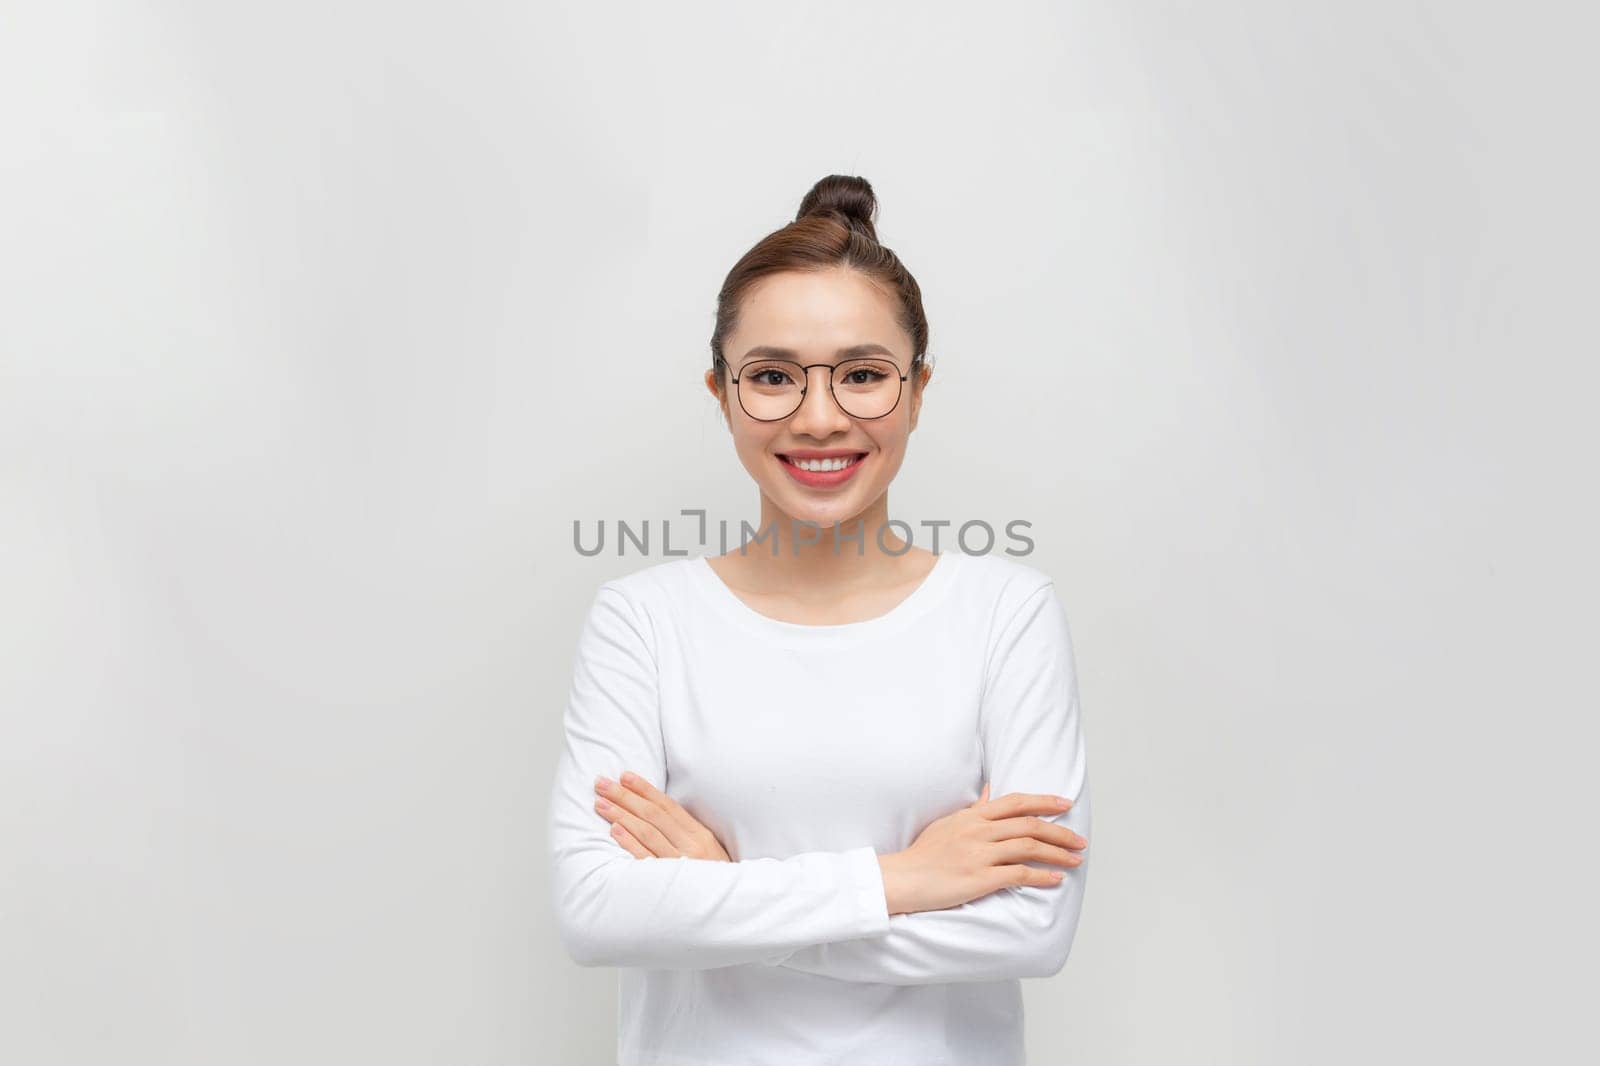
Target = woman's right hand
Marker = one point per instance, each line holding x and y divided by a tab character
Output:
978	850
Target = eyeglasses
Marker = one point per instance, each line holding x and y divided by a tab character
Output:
770	390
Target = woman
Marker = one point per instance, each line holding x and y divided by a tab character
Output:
773	804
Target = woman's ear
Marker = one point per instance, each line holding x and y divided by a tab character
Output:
714	386
919	381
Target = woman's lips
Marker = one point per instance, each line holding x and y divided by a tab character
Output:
822	478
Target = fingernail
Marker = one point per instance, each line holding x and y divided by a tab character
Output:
601	782
1063	802
1056	875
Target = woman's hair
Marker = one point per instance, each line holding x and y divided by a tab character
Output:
832	228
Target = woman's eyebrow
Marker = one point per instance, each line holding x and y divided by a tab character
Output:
767	351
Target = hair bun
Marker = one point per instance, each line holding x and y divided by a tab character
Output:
844	195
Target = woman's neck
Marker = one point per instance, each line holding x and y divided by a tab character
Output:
827	557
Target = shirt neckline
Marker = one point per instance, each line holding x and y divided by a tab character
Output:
921	599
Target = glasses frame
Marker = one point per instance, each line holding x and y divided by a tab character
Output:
805	377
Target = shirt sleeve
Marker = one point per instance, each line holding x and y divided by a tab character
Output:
1032	742
613	909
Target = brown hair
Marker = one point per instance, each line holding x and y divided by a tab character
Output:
832	228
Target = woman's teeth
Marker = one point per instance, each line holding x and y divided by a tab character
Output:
820	465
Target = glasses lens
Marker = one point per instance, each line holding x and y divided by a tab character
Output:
771	389
866	388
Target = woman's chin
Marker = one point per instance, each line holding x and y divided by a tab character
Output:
804	507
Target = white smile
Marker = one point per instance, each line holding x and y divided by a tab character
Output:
821	466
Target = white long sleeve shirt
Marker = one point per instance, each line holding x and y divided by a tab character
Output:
808	751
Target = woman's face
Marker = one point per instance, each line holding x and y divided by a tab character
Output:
816	315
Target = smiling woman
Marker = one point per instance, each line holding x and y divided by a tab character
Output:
834	803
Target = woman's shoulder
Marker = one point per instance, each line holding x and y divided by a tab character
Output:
1009	597
993	590
637	604
1004	575
647	585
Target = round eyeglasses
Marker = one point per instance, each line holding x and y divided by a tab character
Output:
770	390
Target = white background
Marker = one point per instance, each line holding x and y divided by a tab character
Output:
321	323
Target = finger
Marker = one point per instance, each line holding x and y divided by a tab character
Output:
630	843
643	830
1013	804
984	798
1010	876
650	823
1027	849
1039	828
673	809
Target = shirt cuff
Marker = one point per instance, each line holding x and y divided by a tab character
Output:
867	879
864	892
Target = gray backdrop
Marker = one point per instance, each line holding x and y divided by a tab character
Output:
323	322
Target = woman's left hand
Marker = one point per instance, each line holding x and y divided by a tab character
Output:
649	823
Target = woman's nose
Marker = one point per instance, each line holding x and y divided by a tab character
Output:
819	414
